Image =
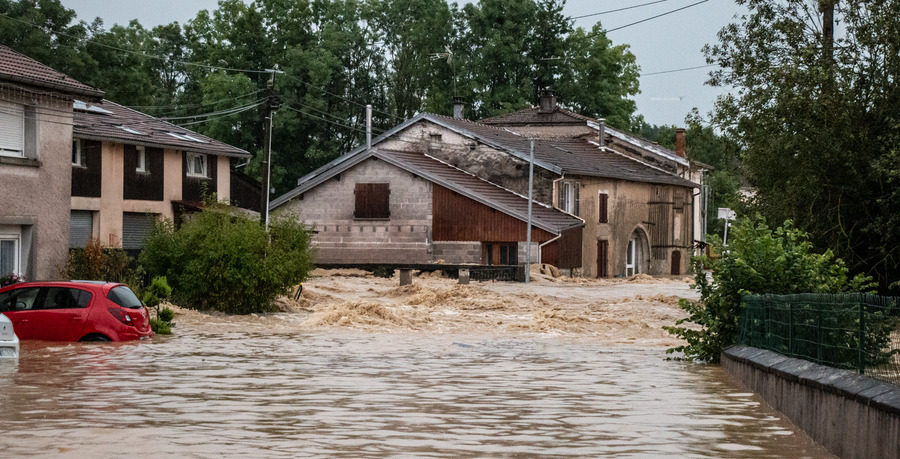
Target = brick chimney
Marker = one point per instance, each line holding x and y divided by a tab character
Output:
548	101
679	142
459	105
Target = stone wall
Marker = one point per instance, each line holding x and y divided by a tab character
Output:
851	415
404	238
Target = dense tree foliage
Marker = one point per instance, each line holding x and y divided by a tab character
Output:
703	144
758	260
401	56
819	122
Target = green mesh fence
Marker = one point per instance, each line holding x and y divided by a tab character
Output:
851	331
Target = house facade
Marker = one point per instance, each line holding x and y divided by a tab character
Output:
549	120
128	168
36	117
636	216
383	206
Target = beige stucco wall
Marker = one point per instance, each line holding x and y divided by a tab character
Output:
223	180
628	211
405	238
35	194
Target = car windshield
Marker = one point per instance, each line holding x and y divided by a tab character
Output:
123	296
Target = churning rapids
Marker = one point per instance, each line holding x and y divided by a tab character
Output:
351	393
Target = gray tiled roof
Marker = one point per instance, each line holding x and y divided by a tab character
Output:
20	68
531	116
571	156
124	125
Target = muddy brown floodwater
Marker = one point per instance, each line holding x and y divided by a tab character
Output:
362	368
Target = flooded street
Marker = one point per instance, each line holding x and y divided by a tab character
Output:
209	393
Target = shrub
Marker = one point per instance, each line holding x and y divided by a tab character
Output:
757	260
223	260
160	327
166	315
94	262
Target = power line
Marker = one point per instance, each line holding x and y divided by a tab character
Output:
227	111
618	9
212	118
346	126
657	16
680	70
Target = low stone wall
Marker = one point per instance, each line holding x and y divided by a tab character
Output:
851	415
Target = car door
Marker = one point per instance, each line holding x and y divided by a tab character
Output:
61	315
17	304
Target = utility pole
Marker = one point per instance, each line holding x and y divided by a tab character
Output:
528	230
272	104
827	9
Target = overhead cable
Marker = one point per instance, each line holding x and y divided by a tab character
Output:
657	16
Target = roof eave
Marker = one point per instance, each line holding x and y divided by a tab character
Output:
95	95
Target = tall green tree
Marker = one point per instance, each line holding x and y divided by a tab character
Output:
819	130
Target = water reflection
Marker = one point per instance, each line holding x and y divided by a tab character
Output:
352	395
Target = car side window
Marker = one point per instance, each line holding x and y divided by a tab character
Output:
21	299
64	298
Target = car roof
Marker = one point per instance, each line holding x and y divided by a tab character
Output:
91	285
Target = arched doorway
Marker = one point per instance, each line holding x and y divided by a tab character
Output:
636	253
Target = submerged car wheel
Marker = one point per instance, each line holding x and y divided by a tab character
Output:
95	338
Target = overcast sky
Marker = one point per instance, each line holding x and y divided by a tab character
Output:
670	42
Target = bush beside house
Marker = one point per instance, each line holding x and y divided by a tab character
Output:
223	260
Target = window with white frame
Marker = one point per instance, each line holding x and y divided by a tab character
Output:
141	159
197	165
12	129
77	154
568	199
9	254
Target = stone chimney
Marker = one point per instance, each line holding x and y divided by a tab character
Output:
601	132
548	101
679	142
459	105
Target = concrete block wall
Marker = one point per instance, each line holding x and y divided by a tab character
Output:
403	238
851	415
457	252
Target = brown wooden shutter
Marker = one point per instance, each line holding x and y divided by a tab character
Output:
602	206
373	200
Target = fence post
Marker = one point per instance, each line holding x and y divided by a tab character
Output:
791	329
862	334
819	338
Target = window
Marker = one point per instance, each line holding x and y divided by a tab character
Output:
136	228
372	200
9	254
499	253
568	197
434	141
196	165
64	298
81	227
77	155
12	129
141	159
602	207
20	299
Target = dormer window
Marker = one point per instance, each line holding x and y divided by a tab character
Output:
197	165
141	159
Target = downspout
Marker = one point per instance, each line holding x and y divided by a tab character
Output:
541	248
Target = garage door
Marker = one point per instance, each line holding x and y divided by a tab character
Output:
81	227
135	229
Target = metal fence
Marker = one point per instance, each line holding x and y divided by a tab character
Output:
851	331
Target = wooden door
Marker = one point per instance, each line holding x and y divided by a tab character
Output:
676	263
603	258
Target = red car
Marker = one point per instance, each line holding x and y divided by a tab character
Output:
75	311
